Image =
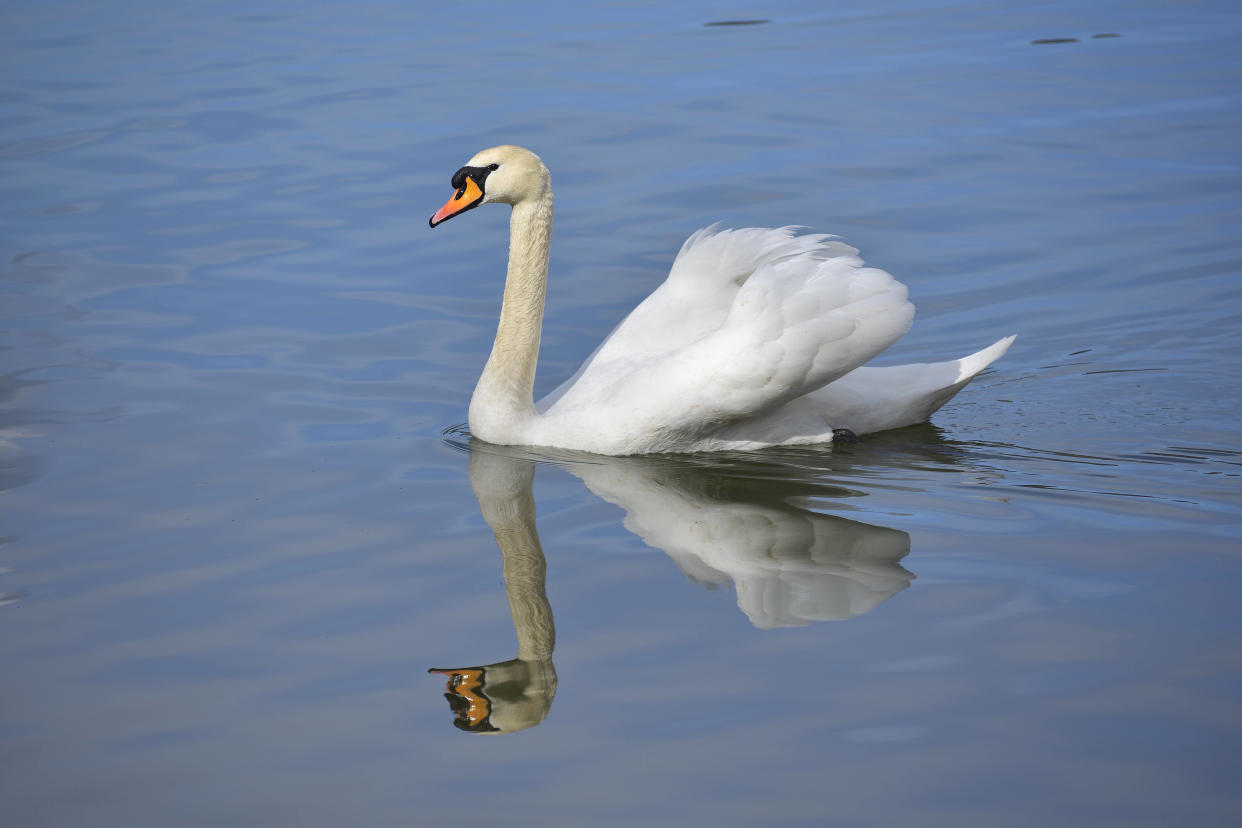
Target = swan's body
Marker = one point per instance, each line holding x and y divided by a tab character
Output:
755	339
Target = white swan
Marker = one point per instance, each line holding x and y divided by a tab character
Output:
755	339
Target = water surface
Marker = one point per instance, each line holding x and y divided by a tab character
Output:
237	538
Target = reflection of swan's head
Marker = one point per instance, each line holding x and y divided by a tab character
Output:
506	174
500	698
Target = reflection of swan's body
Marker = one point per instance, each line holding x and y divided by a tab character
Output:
515	694
790	566
755	339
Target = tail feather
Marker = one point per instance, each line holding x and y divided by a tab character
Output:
874	399
969	367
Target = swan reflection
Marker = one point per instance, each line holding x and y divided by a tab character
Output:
515	694
790	566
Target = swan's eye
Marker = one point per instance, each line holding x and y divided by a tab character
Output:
477	174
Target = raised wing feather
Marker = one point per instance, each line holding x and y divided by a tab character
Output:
694	299
746	321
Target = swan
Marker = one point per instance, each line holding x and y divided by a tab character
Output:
755	339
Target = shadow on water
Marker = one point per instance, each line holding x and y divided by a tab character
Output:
728	518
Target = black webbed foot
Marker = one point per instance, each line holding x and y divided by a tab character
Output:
844	435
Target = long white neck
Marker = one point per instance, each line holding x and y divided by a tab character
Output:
502	402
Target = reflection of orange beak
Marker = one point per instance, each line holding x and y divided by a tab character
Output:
466	683
468	196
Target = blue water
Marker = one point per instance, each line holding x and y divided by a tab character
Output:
236	536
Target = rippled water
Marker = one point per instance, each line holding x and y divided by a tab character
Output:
237	537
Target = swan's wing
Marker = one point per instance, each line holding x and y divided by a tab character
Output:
866	399
695	298
793	325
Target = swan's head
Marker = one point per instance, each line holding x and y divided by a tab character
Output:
507	174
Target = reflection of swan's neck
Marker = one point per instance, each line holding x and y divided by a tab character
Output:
516	694
502	399
508	505
524	572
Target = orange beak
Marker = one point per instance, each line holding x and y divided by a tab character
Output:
468	196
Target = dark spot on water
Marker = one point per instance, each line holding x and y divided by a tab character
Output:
736	22
1055	40
1104	34
7	598
52	143
69	42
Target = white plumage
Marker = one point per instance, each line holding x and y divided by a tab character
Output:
755	339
